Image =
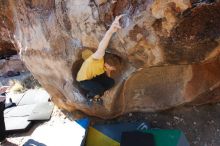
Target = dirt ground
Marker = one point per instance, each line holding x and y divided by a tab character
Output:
201	124
20	138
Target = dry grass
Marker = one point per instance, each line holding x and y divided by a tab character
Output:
16	86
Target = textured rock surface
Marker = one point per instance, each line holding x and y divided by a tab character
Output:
6	31
167	53
13	63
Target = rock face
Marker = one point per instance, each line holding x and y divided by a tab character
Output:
6	31
167	53
11	64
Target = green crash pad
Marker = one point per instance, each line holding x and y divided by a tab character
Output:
168	137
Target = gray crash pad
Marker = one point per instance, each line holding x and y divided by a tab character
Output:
16	118
19	111
62	132
34	96
32	104
17	124
41	111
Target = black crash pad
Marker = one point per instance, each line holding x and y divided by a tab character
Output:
137	138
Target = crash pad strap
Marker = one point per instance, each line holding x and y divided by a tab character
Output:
96	138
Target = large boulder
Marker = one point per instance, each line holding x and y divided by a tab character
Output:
6	31
167	53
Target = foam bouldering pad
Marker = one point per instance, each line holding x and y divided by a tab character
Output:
61	133
16	97
136	138
34	96
41	111
19	111
168	137
31	105
110	134
16	118
17	124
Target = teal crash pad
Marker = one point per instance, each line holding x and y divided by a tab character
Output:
168	137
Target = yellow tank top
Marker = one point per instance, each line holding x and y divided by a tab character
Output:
90	69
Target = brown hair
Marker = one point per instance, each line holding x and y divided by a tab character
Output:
112	59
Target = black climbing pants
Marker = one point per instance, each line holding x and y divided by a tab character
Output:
2	121
97	85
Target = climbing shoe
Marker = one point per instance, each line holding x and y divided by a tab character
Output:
98	99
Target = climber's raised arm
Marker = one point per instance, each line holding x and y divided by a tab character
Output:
100	52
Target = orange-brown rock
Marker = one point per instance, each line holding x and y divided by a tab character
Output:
6	31
167	53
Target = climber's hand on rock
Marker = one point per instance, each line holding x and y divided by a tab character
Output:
116	25
109	67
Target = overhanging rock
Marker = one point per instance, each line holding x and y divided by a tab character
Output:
167	54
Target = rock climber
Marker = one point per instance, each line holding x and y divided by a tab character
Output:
94	74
